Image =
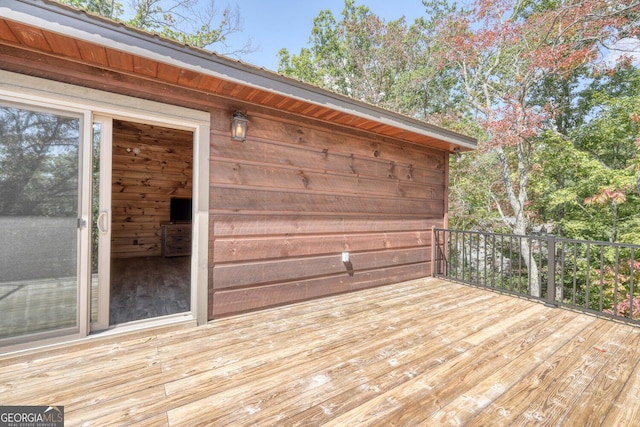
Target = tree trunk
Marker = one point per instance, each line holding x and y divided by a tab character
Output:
517	203
520	228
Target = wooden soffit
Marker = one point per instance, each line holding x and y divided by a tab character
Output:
48	28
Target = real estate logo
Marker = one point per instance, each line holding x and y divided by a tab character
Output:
31	416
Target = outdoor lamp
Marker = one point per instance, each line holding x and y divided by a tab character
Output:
239	126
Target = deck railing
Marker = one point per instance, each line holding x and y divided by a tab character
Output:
598	277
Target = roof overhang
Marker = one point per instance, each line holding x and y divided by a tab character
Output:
51	28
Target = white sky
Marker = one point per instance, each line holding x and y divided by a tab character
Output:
628	46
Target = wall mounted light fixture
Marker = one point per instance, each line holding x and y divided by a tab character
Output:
239	126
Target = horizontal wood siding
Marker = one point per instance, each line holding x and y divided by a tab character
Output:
290	199
143	184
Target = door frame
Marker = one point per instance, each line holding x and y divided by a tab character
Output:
92	103
104	216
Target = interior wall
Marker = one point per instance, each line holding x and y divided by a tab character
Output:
143	183
290	199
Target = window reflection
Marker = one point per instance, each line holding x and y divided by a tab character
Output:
39	199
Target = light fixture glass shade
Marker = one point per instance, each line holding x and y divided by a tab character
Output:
239	126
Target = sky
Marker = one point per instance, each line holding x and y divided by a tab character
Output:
274	24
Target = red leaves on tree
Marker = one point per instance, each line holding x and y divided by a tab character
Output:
606	195
501	53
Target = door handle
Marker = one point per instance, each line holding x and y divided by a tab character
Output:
103	222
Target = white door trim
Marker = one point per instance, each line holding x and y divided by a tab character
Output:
36	91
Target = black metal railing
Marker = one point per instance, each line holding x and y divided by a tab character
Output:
598	277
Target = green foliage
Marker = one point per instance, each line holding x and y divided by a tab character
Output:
475	183
38	163
559	143
108	8
586	175
187	21
299	66
390	64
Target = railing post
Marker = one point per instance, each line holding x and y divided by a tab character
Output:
551	271
434	248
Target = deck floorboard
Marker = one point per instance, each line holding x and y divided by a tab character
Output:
425	352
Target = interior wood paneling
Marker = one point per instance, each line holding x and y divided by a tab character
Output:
143	184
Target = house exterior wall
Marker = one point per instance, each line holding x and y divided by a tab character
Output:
287	202
290	199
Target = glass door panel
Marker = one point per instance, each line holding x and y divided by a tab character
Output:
39	219
95	212
101	222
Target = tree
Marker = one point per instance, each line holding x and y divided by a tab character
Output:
383	63
359	56
192	22
587	162
38	163
611	136
502	52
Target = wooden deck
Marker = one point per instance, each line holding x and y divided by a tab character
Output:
421	353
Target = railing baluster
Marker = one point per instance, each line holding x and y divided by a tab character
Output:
586	297
615	285
529	267
511	263
536	243
631	273
562	251
600	307
435	263
520	263
452	260
575	271
551	271
478	258
493	261
484	240
487	259
502	262
457	255
464	256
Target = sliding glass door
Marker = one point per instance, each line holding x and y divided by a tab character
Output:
40	221
56	225
101	222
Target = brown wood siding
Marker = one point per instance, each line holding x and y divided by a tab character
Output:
285	203
290	199
143	184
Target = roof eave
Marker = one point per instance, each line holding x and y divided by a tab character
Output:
109	33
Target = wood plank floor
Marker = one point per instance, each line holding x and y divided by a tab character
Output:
147	287
32	306
141	288
421	353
